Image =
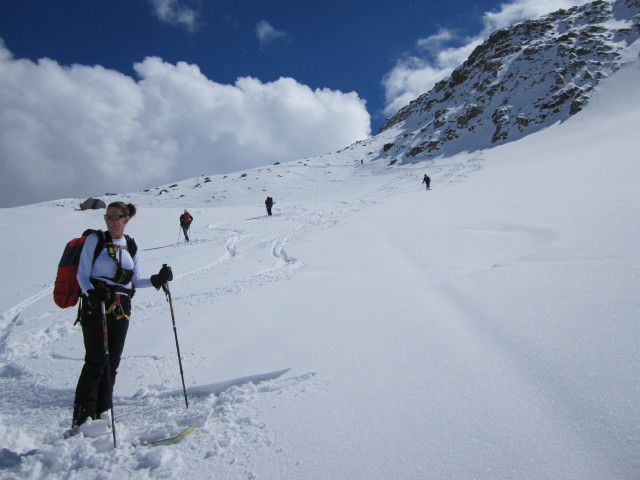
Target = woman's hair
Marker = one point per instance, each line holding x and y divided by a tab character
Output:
125	209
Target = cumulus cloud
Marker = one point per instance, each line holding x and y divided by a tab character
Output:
267	34
434	43
438	55
519	10
412	76
173	12
73	131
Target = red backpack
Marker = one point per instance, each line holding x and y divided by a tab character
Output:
66	290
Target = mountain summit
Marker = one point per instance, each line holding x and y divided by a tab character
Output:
519	81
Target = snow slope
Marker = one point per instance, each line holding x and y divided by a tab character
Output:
485	329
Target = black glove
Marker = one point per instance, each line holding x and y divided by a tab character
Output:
98	295
163	276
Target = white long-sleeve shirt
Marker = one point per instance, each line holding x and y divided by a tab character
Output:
104	267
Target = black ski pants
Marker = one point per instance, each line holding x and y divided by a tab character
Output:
93	392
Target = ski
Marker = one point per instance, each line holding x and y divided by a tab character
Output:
148	439
170	439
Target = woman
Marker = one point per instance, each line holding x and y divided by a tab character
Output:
108	273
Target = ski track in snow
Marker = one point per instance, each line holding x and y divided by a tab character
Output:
11	315
261	256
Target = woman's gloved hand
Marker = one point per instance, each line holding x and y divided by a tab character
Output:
163	276
98	295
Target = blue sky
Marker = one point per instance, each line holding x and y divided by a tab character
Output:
176	88
336	44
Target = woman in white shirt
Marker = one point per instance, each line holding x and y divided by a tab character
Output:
108	273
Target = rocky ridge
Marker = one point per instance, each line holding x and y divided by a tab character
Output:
520	80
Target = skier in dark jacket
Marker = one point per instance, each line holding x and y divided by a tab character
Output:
185	223
269	203
110	279
427	181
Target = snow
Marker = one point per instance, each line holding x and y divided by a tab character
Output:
485	329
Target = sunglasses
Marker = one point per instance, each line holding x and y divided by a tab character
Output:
114	217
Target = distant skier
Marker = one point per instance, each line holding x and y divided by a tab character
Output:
269	203
426	180
185	223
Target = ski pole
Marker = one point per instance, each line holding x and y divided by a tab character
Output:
179	228
165	287
105	337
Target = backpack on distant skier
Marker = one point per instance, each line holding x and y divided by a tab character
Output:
186	218
66	290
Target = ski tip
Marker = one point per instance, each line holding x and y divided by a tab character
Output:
171	439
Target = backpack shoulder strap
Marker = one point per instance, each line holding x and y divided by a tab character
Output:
104	240
101	241
132	247
108	243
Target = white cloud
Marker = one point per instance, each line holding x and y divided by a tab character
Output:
173	12
519	10
75	131
413	76
417	74
435	42
267	34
